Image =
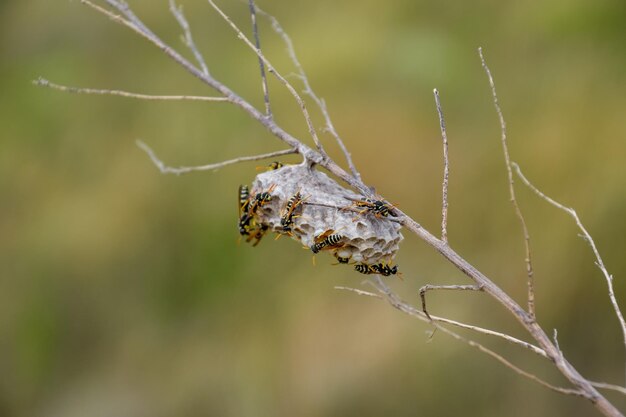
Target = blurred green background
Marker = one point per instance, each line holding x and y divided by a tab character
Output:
123	292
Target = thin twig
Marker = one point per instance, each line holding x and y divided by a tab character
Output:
446	170
555	337
429	287
133	23
257	42
177	11
587	237
77	90
272	70
420	315
489	332
210	167
358	291
611	387
518	211
321	104
397	303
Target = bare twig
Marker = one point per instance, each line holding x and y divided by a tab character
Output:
429	287
272	70
358	291
587	237
210	167
488	332
446	170
518	211
177	11
555	337
420	315
309	91
133	23
397	303
77	90
257	42
611	387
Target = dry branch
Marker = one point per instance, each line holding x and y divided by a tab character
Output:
446	171
518	211
274	72
187	38
587	237
257	43
429	287
210	167
426	318
42	82
321	104
397	303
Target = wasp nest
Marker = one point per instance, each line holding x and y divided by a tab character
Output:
307	205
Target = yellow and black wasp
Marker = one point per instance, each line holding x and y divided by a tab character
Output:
257	233
385	269
272	166
327	240
341	259
248	224
381	268
377	207
364	269
260	199
289	213
245	218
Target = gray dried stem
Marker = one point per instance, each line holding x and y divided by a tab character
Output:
518	212
582	386
446	170
274	71
42	82
321	104
400	305
257	43
209	167
424	289
587	237
436	319
177	11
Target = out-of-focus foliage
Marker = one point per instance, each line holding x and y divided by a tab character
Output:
123	292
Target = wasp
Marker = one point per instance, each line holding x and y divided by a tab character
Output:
364	269
257	233
273	166
329	239
286	220
341	259
385	269
381	268
378	207
247	210
244	197
260	199
244	217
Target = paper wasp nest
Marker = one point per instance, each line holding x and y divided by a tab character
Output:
366	238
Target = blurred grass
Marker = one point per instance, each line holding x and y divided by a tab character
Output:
123	291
